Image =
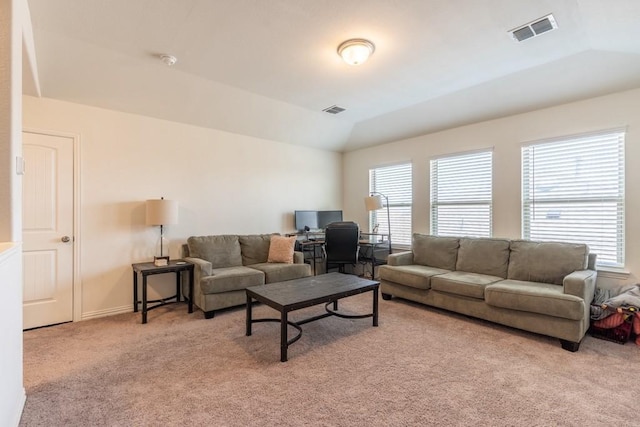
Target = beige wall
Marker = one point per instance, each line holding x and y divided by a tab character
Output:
224	183
227	183
506	135
12	393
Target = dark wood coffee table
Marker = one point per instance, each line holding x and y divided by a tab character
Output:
300	293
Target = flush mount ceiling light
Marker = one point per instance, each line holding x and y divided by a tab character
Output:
356	51
169	60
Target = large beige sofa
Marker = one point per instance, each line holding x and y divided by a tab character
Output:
542	287
225	265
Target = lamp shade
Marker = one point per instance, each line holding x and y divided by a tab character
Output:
373	203
162	212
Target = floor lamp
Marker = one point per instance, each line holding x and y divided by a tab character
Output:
162	212
373	203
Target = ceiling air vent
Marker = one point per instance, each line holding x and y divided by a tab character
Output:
334	109
535	28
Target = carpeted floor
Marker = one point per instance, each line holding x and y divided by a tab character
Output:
420	367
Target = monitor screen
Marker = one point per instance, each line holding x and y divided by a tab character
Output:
327	217
306	219
316	220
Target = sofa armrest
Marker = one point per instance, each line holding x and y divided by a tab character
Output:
400	258
581	284
202	268
298	257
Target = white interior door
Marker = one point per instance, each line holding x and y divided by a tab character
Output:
47	229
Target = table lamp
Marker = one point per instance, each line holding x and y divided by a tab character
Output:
162	212
374	202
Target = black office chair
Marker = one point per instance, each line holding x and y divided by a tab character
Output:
341	244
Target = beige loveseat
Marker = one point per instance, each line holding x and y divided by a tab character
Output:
227	264
542	287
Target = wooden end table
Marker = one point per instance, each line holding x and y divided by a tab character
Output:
147	269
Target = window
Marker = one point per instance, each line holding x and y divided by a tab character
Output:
461	194
573	190
395	182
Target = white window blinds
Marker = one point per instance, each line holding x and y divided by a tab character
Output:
461	195
395	182
573	190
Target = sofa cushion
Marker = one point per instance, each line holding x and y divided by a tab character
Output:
221	251
463	283
279	272
415	276
484	256
231	279
435	251
281	249
546	262
255	248
543	298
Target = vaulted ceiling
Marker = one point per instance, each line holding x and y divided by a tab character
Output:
268	68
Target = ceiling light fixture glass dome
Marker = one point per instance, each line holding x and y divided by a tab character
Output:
356	51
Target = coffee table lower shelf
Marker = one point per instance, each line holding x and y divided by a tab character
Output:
301	293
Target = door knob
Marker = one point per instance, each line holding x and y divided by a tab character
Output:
66	239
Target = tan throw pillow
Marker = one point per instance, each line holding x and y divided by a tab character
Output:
281	249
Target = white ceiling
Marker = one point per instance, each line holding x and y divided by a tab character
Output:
268	68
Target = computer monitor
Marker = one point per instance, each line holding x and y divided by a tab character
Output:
306	219
315	220
327	217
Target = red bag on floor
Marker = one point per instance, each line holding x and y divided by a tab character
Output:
616	327
616	319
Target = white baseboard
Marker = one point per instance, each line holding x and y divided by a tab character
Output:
19	408
107	312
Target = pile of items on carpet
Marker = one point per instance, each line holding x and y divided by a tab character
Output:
616	318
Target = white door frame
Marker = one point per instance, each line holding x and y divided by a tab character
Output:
77	283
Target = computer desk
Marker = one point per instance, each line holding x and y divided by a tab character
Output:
369	243
310	241
312	245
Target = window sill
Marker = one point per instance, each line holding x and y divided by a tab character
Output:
613	273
